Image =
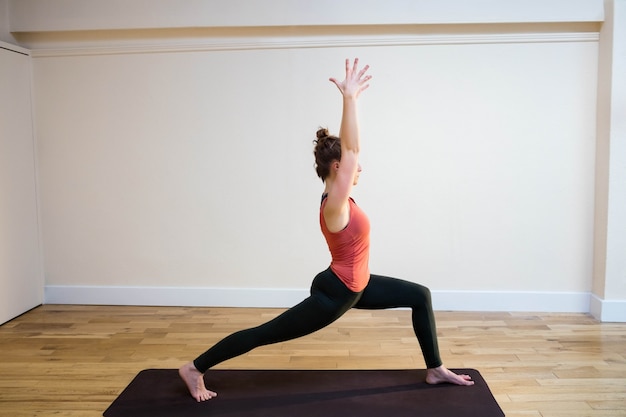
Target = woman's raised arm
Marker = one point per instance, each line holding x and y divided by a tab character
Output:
336	211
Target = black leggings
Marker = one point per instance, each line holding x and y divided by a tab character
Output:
329	300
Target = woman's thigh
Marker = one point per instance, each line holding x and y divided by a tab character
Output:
387	292
328	301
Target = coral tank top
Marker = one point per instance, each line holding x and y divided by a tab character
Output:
350	248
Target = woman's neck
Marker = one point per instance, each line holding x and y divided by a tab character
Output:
328	185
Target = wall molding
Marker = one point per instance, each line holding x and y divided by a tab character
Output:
252	43
608	310
14	48
564	302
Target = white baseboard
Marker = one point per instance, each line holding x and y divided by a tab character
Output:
608	310
567	302
531	301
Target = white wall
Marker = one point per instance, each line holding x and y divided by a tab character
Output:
30	16
609	283
5	35
21	278
177	163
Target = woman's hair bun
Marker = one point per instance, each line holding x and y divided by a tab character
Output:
322	132
327	149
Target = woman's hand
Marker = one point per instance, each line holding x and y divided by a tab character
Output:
355	81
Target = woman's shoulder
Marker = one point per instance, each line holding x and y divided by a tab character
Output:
325	196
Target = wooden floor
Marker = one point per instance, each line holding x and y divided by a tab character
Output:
62	360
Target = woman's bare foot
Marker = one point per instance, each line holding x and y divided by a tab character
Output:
195	382
443	375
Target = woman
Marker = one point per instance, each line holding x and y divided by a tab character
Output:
347	283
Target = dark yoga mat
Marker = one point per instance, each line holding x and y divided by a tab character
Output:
294	393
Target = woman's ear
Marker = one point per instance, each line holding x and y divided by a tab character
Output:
336	165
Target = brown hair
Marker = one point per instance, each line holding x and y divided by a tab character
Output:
327	149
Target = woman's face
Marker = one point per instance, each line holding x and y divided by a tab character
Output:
357	174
